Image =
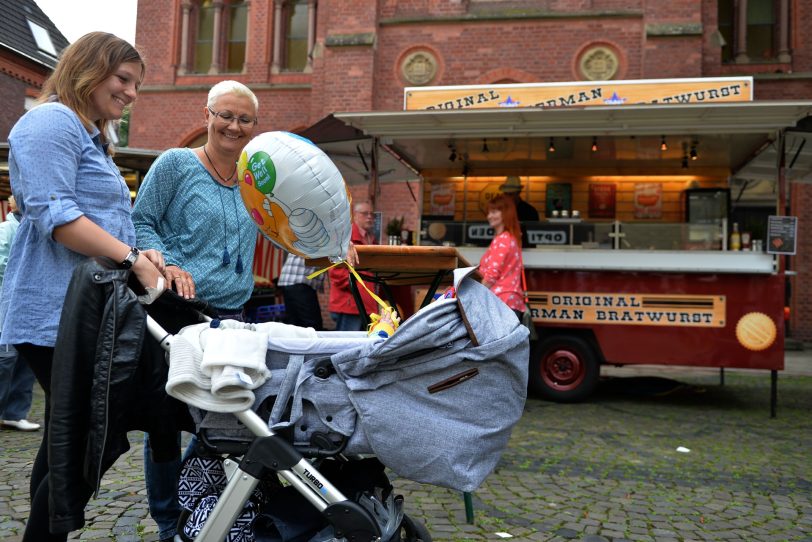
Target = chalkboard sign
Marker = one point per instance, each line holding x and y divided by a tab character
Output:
559	198
782	233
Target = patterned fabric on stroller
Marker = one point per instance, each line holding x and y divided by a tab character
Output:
435	402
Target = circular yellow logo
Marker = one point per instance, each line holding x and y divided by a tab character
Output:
490	191
756	331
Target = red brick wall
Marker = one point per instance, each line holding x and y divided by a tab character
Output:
180	113
475	43
157	39
13	92
800	324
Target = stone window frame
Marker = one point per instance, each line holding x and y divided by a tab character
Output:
190	11
281	33
738	17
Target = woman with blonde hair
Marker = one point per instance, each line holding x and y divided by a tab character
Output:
189	208
501	265
74	204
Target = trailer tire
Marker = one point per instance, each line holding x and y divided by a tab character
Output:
563	368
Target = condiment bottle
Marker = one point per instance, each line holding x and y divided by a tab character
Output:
735	238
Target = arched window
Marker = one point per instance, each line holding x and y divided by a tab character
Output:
237	36
754	30
294	35
295	15
213	36
761	29
204	37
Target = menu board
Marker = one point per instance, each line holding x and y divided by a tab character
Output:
648	200
442	199
559	198
602	198
782	233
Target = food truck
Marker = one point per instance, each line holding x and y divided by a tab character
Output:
662	236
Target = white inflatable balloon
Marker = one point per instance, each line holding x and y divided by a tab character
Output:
296	195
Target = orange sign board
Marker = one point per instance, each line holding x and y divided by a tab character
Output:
591	93
628	309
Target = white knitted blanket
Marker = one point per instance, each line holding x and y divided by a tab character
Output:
216	368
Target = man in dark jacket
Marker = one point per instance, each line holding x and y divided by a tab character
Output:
524	211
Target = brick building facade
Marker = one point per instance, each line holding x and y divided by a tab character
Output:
29	45
360	54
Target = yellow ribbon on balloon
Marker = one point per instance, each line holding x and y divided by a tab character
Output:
376	323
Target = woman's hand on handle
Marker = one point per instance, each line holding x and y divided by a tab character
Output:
150	278
181	281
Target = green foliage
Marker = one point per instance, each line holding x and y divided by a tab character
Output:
394	226
124	129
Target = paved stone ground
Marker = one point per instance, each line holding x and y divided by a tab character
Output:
603	471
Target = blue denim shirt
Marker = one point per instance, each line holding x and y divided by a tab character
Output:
58	172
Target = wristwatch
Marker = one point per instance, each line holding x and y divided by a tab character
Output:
131	257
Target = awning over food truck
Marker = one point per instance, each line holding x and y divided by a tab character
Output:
736	137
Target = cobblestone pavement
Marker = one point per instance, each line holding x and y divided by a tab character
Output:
605	470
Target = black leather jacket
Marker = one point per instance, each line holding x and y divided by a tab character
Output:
108	378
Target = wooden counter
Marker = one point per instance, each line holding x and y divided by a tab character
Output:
403	264
665	261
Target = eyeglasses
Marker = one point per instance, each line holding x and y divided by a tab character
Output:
227	116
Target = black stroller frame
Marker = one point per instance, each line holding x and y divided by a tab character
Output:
270	453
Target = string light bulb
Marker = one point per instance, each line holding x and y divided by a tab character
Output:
594	143
693	153
551	148
663	144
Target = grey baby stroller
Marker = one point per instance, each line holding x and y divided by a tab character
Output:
434	403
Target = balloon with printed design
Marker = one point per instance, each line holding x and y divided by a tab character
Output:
296	195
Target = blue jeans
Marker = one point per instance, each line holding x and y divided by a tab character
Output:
162	478
16	385
346	322
162	489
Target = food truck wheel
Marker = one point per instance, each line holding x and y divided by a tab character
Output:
564	369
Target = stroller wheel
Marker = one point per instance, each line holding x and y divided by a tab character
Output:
413	531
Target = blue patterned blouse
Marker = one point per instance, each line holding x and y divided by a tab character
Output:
183	212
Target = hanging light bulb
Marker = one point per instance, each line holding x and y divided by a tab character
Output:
551	148
485	145
594	143
693	154
663	144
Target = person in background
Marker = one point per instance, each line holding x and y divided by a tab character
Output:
301	293
74	204
512	188
501	265
342	306
190	209
16	377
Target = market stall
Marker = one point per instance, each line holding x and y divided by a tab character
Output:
637	204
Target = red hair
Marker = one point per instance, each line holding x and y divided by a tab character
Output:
507	206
